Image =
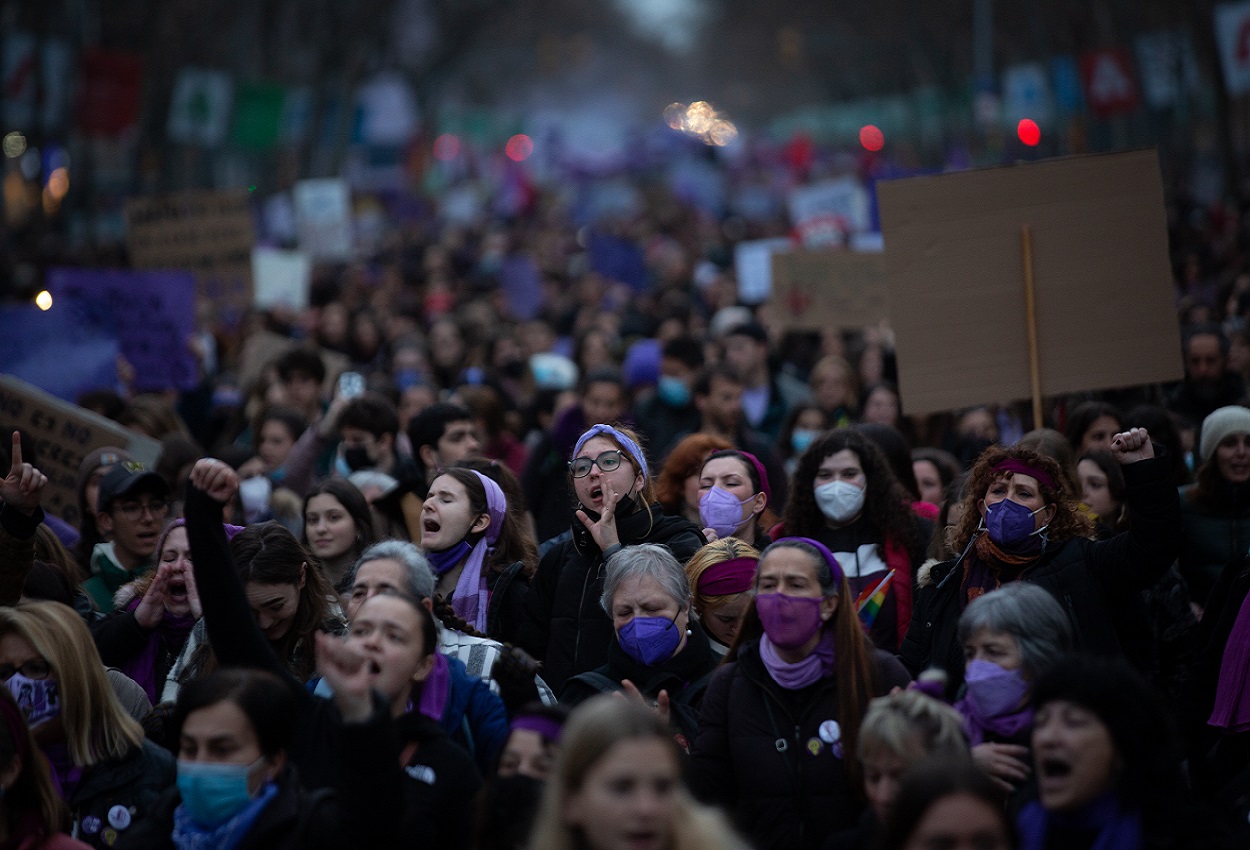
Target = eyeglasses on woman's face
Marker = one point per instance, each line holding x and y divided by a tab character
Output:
606	461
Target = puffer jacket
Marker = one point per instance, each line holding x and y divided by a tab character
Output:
1214	534
1098	583
773	758
563	622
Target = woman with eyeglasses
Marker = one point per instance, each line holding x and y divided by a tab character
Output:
101	765
616	507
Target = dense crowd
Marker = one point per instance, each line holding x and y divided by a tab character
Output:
631	567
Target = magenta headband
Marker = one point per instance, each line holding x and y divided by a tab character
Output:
546	727
834	566
496	506
728	577
1014	465
763	476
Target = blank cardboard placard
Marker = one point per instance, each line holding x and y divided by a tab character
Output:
955	290
830	288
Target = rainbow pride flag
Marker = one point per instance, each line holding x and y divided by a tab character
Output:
870	600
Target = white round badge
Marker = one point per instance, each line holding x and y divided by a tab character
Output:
830	732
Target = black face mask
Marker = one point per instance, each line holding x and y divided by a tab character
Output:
356	458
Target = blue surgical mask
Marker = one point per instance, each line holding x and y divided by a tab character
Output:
213	793
673	391
801	438
649	640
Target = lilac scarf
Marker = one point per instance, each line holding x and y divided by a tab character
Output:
435	690
976	724
172	634
1232	692
471	599
792	677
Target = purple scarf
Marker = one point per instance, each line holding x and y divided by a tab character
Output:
1117	829
792	677
435	690
976	725
65	774
172	634
1232	692
471	599
443	561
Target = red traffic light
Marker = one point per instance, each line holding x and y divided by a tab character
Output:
871	138
1029	132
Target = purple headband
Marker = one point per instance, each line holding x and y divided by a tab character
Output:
728	577
635	451
763	475
1012	464
547	727
834	566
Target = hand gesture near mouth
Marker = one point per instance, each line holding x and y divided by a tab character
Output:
603	531
348	673
151	608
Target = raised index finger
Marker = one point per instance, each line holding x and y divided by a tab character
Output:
17	453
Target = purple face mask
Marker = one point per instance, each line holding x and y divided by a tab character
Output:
1010	524
39	699
993	690
649	640
789	621
721	511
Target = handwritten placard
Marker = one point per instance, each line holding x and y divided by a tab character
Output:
208	233
63	434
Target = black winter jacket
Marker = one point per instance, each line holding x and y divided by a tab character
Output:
685	677
564	623
1098	583
134	783
767	754
363	812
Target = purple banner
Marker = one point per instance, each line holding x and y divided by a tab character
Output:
151	314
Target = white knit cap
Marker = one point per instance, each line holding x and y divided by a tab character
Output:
1233	419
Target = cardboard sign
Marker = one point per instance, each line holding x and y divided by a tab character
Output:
1232	32
323	216
208	233
64	433
152	315
828	289
955	292
281	278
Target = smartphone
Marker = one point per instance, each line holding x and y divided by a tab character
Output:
351	384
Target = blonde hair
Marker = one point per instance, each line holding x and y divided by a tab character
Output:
910	725
717	552
594	728
97	727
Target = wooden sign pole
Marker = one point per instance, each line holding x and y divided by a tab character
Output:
1030	312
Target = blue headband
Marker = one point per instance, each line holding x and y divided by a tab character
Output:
635	452
834	566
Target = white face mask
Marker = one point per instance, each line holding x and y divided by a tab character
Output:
840	501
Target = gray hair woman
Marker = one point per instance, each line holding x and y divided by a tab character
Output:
1010	637
660	654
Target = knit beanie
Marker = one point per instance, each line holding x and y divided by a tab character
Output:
1233	419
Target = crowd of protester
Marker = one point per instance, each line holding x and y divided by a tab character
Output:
641	569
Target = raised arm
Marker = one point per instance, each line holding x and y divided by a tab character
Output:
236	639
1136	558
21	491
